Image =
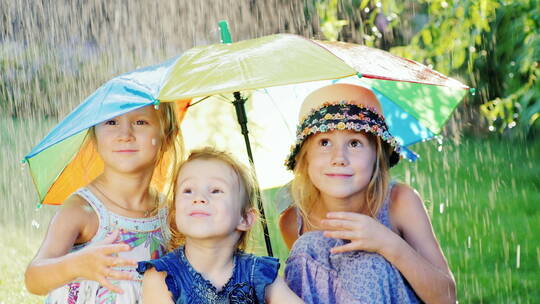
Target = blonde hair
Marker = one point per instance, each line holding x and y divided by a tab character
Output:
170	153
247	181
306	195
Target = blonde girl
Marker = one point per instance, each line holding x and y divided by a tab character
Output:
210	220
356	236
94	241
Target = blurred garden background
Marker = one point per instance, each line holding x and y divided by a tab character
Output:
480	179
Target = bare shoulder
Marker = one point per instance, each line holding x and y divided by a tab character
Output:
155	289
152	276
279	292
288	226
406	204
77	213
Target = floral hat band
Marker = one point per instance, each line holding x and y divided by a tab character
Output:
342	116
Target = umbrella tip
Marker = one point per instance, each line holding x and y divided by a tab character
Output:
359	75
224	29
472	91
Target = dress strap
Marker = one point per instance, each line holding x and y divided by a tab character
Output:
163	214
100	210
384	213
299	221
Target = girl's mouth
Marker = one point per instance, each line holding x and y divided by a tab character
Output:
199	214
338	175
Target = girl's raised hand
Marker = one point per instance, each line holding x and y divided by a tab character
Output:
364	232
96	262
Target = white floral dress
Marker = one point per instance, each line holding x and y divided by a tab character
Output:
146	236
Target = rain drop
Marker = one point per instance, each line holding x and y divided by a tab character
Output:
518	255
35	224
441	208
469	241
153	141
366	10
491	128
511	125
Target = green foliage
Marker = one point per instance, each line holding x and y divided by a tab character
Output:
494	46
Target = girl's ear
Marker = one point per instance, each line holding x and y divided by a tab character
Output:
247	221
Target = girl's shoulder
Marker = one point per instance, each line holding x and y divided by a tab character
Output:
77	210
406	203
403	193
288	225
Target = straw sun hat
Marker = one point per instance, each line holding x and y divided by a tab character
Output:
342	107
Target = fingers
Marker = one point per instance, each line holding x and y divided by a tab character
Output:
107	284
345	248
344	235
351	216
110	238
119	275
115	248
334	224
117	261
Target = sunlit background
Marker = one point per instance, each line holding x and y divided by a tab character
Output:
480	179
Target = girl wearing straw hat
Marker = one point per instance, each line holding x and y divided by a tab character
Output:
356	236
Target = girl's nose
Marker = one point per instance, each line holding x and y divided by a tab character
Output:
125	132
339	157
200	199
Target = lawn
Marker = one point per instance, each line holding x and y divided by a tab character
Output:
483	196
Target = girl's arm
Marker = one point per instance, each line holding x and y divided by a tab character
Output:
53	265
154	289
279	292
416	254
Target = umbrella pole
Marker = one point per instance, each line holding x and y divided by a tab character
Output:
242	121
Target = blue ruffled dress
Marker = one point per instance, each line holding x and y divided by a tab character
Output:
251	275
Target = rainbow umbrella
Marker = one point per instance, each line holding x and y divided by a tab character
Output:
416	100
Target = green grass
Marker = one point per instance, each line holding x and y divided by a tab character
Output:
491	196
489	192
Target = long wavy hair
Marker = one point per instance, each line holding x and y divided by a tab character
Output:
306	195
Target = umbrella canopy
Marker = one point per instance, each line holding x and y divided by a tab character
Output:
416	100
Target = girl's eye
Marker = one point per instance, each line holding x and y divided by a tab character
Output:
110	122
216	191
186	191
141	122
355	143
324	142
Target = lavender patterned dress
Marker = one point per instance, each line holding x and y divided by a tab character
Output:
352	277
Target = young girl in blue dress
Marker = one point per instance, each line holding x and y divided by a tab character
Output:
212	214
356	236
93	243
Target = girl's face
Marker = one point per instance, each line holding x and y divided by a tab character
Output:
130	143
208	199
340	163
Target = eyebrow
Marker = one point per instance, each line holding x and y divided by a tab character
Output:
181	181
